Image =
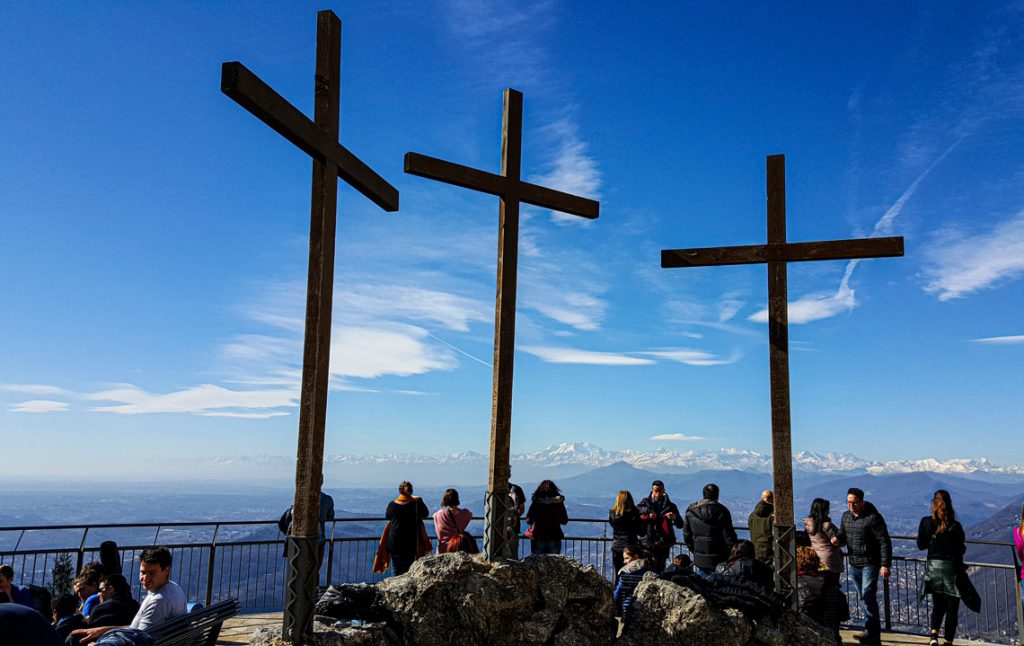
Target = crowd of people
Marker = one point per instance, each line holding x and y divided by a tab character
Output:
643	538
101	602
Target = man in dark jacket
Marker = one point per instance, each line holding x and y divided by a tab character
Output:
708	532
657	515
760	524
869	550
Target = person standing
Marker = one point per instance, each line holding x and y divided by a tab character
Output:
943	537
517	500
708	531
863	531
405	533
625	521
820	530
546	516
760	523
658	515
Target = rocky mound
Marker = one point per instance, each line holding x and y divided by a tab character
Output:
460	599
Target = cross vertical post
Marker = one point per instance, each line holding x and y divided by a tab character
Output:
777	254
319	139
499	543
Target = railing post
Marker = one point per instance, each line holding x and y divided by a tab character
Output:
330	554
1017	594
81	552
885	597
210	563
604	549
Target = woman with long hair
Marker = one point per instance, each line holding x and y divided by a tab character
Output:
626	528
943	537
820	530
546	516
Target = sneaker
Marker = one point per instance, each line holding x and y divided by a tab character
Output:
934	642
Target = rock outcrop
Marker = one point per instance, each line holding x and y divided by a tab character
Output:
667	614
458	599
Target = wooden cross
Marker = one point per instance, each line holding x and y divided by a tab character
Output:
776	254
319	139
512	190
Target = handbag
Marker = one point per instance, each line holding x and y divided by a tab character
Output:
529	532
463	541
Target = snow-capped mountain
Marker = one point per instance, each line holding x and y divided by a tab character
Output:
574	457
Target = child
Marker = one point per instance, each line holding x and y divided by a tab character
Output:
65	615
629	576
681	565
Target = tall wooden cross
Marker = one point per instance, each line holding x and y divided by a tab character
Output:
319	139
498	541
776	254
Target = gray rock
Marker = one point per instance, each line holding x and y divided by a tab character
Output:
539	600
667	614
325	635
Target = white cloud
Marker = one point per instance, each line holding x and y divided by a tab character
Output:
677	437
451	311
33	389
572	169
728	308
1002	340
960	264
816	307
368	353
39	406
693	357
203	400
584	357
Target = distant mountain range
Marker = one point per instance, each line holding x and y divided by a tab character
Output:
573	458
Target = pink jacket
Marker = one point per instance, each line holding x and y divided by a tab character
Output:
446	529
1018	544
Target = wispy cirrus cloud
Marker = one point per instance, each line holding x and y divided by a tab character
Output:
32	389
39	406
571	169
693	357
961	263
207	399
584	357
677	437
1002	340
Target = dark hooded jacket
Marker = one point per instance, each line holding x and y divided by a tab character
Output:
760	524
866	538
657	532
708	533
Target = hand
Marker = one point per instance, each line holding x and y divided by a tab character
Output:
670	515
89	635
835	541
885	573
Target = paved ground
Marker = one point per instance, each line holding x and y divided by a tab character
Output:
238	629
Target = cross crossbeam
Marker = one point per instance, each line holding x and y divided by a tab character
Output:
478	180
499	542
777	254
250	92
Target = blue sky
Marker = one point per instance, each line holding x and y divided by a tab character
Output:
153	234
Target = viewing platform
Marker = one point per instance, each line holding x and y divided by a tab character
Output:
215	560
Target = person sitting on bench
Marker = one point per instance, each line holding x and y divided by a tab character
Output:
164	598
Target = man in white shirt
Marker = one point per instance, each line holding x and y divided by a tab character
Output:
164	598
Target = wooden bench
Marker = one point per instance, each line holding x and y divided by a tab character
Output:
199	628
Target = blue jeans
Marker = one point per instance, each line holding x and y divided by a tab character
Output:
866	580
546	547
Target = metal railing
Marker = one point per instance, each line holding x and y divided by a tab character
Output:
244	559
